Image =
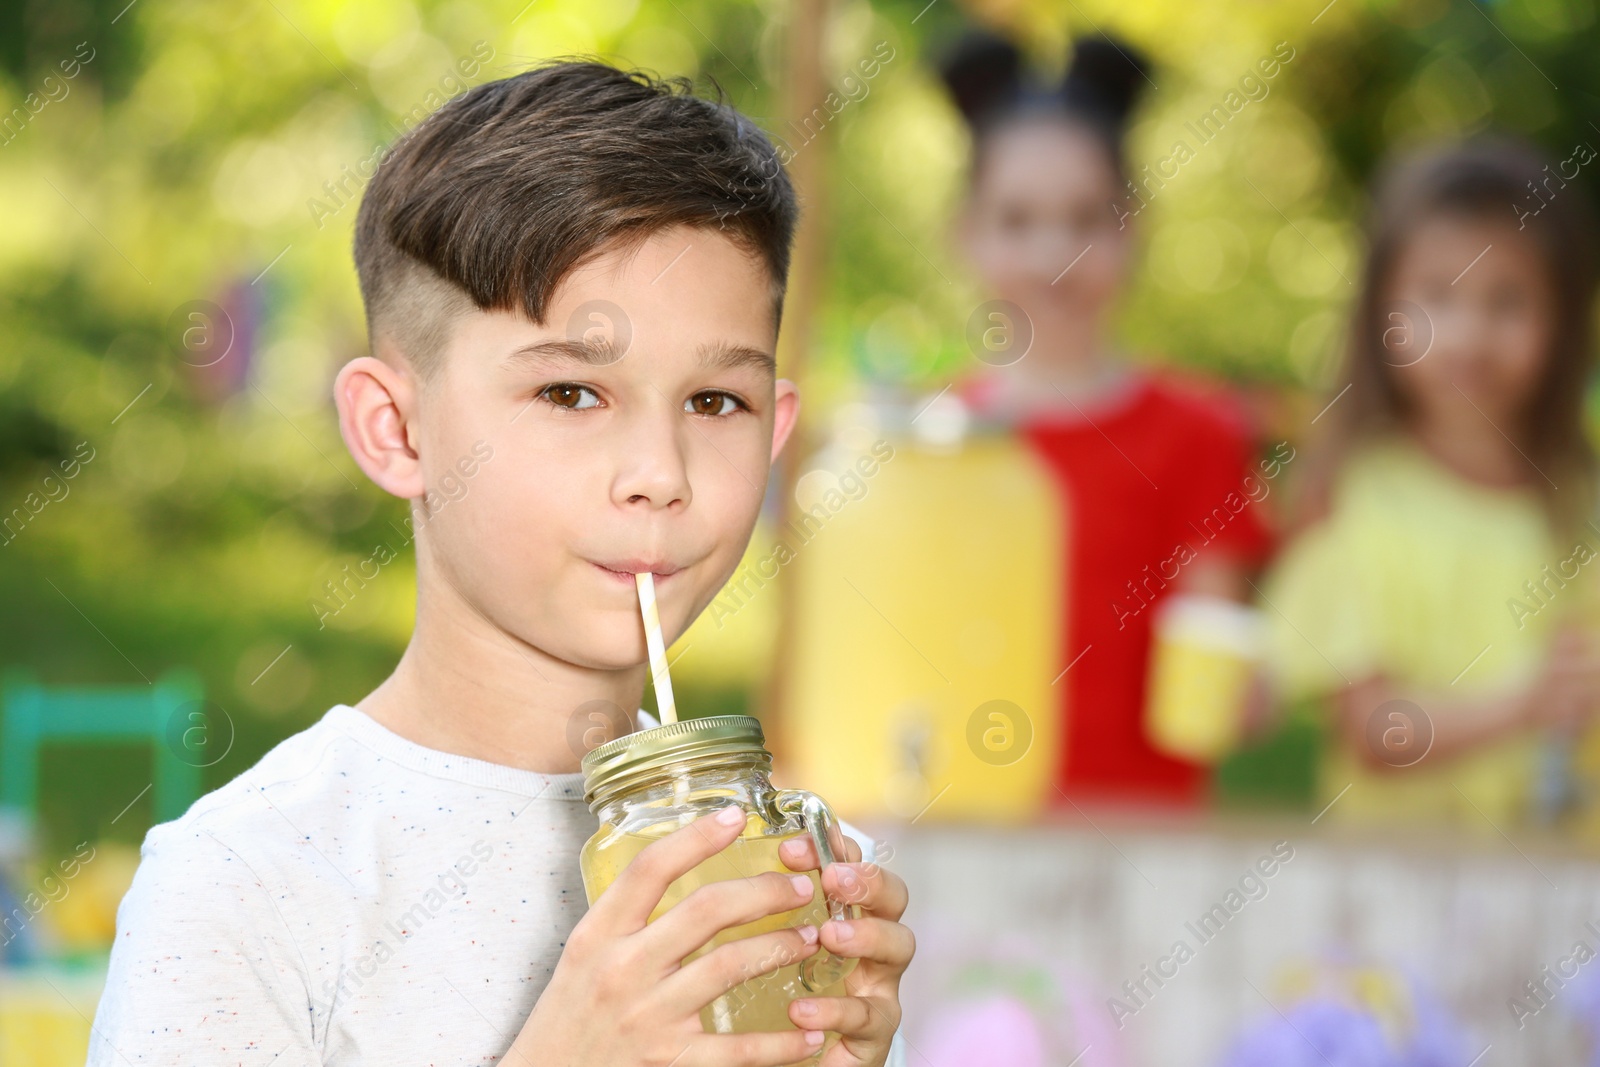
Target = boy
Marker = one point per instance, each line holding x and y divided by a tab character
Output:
572	281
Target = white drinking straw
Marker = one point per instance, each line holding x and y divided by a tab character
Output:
658	649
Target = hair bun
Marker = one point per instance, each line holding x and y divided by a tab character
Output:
982	71
1107	75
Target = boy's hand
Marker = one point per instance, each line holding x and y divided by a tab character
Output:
621	995
866	1019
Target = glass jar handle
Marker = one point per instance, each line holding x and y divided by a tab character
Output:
823	968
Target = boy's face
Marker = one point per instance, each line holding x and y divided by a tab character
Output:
653	455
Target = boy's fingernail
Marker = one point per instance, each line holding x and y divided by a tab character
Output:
847	878
732	815
806	1007
842	931
814	1037
808	934
802	885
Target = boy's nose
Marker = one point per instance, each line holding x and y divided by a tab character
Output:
652	467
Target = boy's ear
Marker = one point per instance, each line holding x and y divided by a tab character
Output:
785	413
377	408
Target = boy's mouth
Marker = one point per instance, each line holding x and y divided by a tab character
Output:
623	570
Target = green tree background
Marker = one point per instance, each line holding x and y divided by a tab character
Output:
186	161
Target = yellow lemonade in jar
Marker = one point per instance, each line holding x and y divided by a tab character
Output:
762	1002
645	788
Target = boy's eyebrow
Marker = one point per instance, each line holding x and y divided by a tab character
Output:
727	354
573	350
564	349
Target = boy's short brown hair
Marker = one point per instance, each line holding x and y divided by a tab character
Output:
493	199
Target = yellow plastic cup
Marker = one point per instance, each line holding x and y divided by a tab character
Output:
1206	652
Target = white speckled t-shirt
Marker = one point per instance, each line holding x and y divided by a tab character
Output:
353	898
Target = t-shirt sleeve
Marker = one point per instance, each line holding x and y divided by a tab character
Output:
1222	491
203	969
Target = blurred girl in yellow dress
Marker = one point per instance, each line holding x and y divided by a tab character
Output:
1436	597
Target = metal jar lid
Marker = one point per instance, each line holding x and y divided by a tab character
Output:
644	752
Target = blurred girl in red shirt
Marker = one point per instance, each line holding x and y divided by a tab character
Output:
1155	473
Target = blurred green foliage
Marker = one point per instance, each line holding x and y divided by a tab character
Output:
186	158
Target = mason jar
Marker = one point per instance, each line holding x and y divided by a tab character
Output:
647	784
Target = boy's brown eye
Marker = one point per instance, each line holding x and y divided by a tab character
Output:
711	403
568	395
